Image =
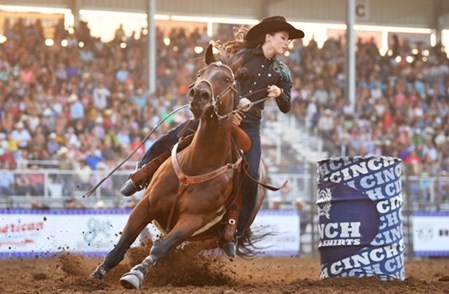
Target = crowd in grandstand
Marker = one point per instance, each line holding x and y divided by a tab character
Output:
401	107
88	100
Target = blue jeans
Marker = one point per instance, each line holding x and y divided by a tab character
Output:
251	125
166	141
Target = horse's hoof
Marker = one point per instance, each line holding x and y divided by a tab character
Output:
128	189
230	248
99	273
132	280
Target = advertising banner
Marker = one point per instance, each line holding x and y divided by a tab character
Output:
34	233
27	234
431	233
282	227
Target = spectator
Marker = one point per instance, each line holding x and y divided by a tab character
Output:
72	203
119	35
123	73
37	182
37	204
72	139
7	159
66	166
84	176
7	182
94	159
75	86
415	162
76	108
23	185
21	135
326	124
101	95
52	145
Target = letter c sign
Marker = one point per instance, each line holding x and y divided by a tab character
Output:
362	9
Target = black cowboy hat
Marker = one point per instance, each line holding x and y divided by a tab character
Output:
271	25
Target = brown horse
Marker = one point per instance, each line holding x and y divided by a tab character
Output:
191	191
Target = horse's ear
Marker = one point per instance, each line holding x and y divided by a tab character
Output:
209	55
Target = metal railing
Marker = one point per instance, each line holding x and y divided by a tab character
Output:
55	188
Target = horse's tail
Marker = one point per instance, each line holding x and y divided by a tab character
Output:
246	243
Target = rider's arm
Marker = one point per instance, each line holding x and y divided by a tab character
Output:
283	100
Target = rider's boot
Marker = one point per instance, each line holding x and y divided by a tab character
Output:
142	177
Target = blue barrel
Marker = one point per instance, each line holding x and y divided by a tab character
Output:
359	204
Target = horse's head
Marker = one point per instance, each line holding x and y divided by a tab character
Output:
212	94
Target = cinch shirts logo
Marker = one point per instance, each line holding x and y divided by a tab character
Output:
348	221
359	202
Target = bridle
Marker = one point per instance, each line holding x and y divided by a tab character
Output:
217	99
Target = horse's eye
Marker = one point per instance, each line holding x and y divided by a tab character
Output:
228	80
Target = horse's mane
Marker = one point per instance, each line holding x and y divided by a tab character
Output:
228	52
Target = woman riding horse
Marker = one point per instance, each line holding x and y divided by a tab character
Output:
190	193
262	75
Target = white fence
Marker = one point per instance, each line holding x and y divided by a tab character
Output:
57	188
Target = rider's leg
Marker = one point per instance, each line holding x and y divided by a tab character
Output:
252	127
249	187
142	176
155	156
167	140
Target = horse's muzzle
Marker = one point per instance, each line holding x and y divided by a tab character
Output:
201	98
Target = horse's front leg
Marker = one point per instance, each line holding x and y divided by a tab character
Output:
137	221
134	279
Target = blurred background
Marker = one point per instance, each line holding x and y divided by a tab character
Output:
83	82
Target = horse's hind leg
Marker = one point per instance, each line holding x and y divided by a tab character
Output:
135	278
137	221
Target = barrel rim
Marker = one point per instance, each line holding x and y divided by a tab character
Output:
361	157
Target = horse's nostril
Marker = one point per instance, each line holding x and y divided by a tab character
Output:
204	95
199	93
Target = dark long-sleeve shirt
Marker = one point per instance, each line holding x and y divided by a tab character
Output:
260	72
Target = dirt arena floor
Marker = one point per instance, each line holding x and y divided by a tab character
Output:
184	273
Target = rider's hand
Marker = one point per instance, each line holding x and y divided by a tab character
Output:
237	118
274	91
244	104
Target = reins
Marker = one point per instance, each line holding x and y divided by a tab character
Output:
253	92
91	191
216	100
248	106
